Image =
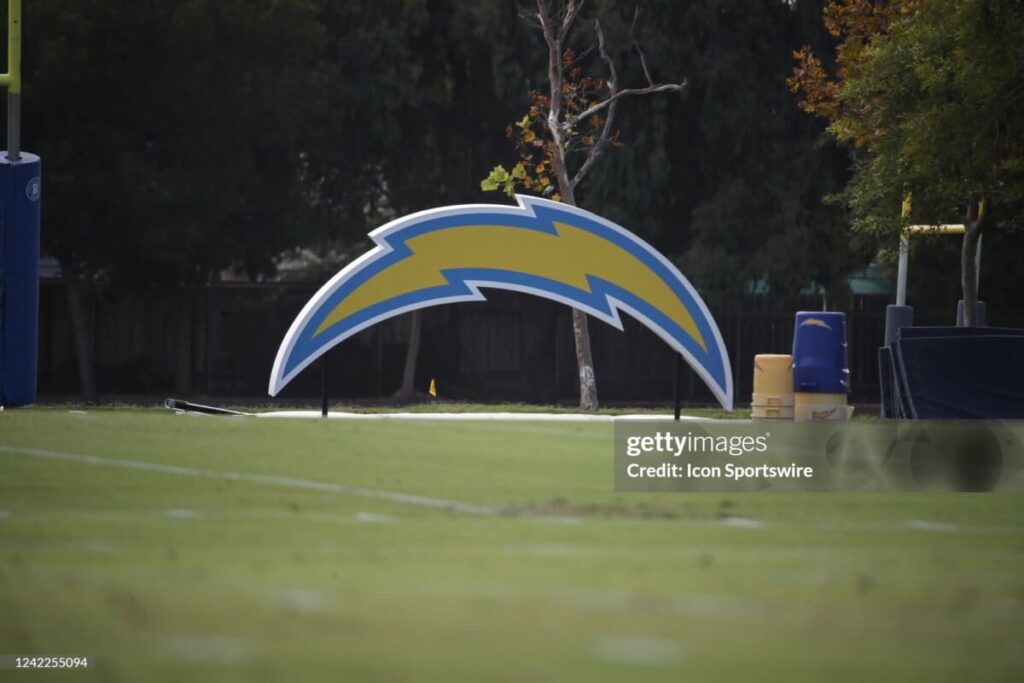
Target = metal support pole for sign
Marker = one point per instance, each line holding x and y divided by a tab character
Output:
679	376
323	386
554	361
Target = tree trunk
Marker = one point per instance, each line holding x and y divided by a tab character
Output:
183	325
584	361
556	27
968	273
412	352
85	356
580	328
553	37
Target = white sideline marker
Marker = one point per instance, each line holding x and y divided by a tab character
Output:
266	479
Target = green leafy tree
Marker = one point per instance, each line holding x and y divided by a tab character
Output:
930	96
170	134
728	180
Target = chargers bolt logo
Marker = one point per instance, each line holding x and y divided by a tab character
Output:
539	247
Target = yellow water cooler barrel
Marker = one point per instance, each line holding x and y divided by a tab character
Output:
773	387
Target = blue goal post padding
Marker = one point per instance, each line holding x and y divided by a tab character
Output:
954	373
20	198
917	332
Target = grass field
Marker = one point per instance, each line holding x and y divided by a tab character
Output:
175	548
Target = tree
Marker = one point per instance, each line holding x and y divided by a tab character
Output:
170	131
411	113
571	127
730	179
930	95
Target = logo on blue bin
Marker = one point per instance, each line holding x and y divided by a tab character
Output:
33	189
815	322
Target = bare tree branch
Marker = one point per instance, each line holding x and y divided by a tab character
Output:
614	93
529	17
554	68
629	92
598	148
580	57
555	28
639	50
570	16
613	74
554	43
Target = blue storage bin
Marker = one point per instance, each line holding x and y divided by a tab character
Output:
819	353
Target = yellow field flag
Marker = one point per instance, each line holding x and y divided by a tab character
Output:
433	389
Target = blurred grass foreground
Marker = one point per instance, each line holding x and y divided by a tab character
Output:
174	547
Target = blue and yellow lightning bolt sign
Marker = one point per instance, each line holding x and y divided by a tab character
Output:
540	247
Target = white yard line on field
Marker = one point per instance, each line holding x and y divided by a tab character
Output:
472	417
266	479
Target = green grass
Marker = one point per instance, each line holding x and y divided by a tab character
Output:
166	577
